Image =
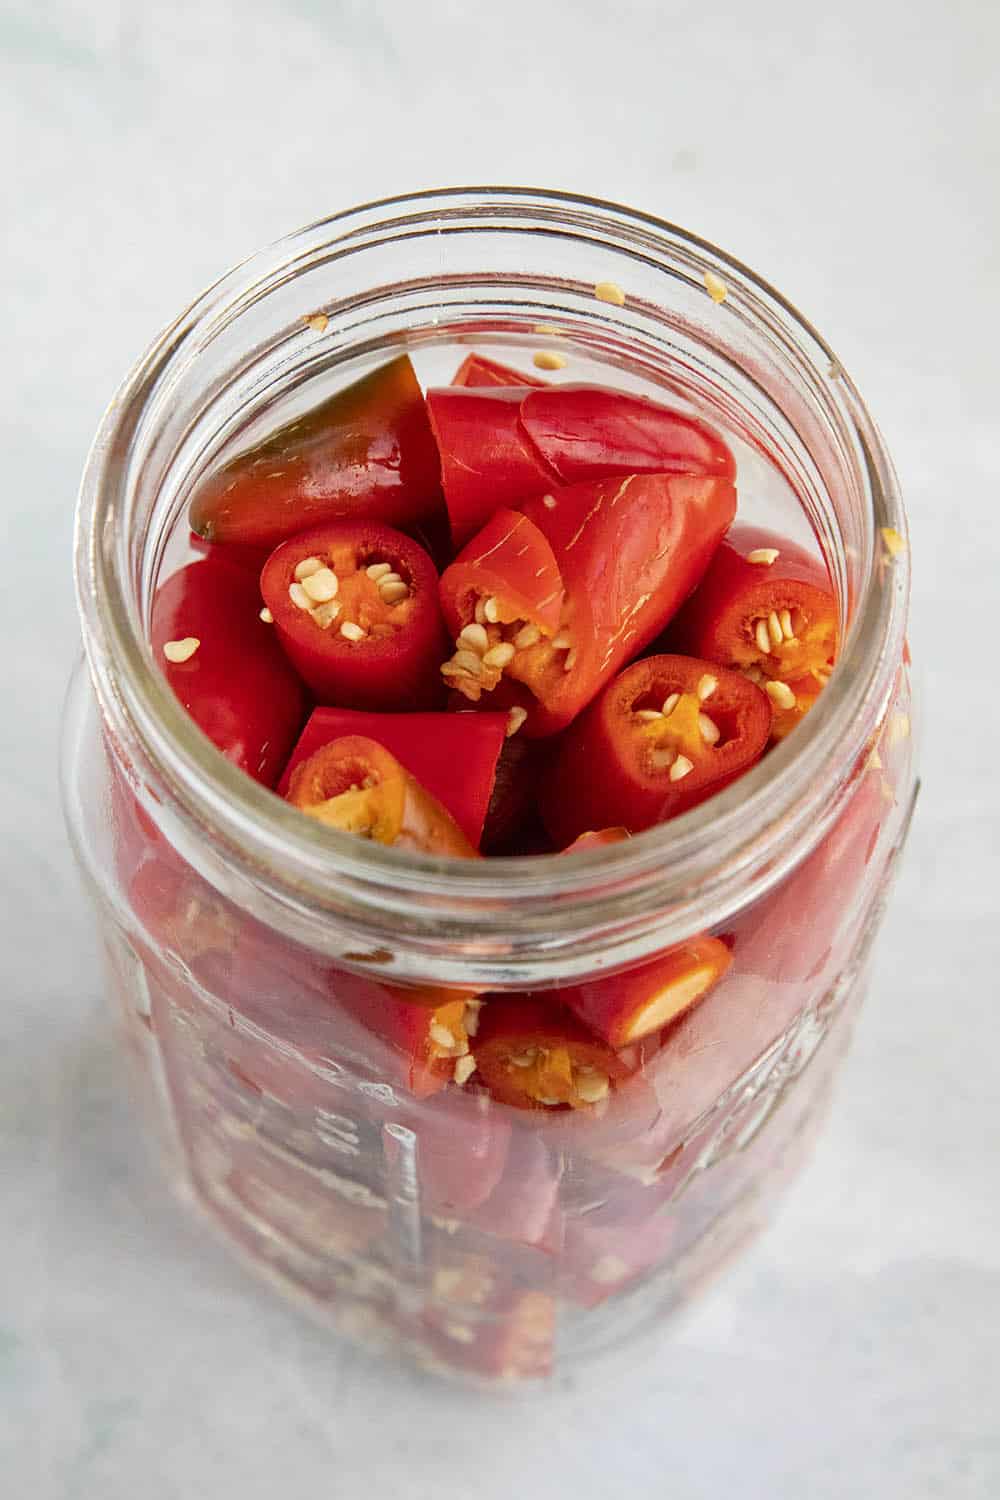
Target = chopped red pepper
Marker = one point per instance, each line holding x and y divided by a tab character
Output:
669	732
226	667
366	453
355	785
623	1008
533	1054
430	746
355	606
478	370
501	445
765	607
523	1208
626	553
596	839
425	1041
461	1152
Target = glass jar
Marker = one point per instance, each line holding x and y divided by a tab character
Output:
248	947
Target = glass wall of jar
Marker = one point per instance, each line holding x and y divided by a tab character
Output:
343	1128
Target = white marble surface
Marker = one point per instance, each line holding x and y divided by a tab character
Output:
849	152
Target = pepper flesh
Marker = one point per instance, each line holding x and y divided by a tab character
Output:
356	786
431	746
627	762
236	685
501	445
627	553
365	453
596	838
785	603
533	1054
478	370
358	640
623	1008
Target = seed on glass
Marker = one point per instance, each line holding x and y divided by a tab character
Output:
325	614
499	656
375	571
780	694
267	616
307	567
491	609
299	597
181	651
393	593
680	768
321	586
763	555
671	702
317	321
609	291
762	638
592	1087
528	635
548	359
352	632
708	729
774	628
715	287
515	719
464	1069
706	686
474	638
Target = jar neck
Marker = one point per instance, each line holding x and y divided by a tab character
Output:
488	263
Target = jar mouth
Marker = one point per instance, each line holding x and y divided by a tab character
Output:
608	905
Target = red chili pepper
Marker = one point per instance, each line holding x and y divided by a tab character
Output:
477	370
512	817
766	608
626	553
623	1008
461	1152
366	453
532	1054
355	785
455	757
234	682
356	608
523	1208
502	445
628	761
425	1041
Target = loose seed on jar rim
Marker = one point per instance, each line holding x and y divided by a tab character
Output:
307	567
321	586
609	291
765	556
182	650
681	768
548	359
715	287
780	694
317	321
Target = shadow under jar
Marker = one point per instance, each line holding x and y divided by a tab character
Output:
246	943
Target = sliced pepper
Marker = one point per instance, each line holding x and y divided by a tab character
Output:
455	757
356	786
426	1041
478	370
626	553
502	445
533	1054
669	732
623	1008
365	453
226	667
355	607
596	839
766	608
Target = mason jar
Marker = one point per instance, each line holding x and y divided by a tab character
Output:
250	951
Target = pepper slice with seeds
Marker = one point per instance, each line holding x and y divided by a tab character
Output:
478	370
532	1053
764	607
455	757
502	445
365	453
669	732
356	609
226	667
623	1008
627	552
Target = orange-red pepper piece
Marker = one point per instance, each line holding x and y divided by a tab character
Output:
623	1008
532	1053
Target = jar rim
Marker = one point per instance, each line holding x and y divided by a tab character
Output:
623	899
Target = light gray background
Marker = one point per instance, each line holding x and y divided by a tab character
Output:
848	152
